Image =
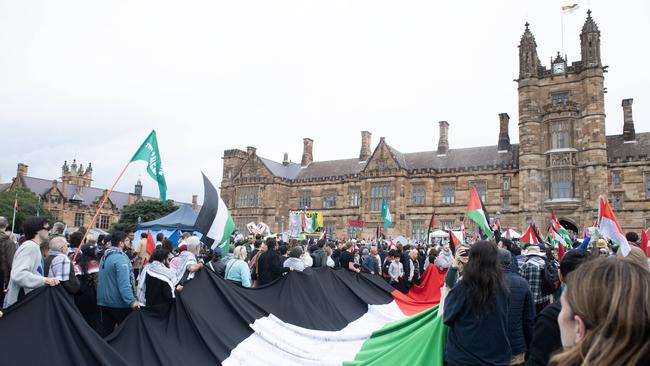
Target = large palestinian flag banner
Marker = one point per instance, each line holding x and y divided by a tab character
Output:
316	317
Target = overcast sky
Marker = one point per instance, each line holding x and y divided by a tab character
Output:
89	79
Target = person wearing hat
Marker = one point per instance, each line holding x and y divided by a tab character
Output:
601	249
532	270
521	315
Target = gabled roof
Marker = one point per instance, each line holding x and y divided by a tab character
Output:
331	168
289	171
87	197
618	149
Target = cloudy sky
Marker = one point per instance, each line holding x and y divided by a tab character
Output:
89	80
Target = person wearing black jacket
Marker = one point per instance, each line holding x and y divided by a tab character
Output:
270	266
546	334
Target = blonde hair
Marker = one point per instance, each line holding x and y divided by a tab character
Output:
635	256
617	325
240	252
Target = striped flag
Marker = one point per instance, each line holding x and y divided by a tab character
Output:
530	237
567	9
457	237
609	228
214	220
476	211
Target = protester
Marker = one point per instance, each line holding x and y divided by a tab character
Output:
632	238
27	267
396	272
532	271
514	250
58	265
411	270
455	272
305	256
7	251
346	259
268	264
294	263
477	309
444	258
546	334
116	287
318	254
635	256
87	271
57	230
237	270
157	282
371	264
605	316
187	263
159	238
142	250
330	261
521	314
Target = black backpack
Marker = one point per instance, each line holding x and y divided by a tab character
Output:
549	278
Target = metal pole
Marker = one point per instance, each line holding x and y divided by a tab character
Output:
13	220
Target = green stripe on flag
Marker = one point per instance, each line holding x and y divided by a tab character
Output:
224	243
479	218
417	340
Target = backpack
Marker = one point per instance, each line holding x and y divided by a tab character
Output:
549	278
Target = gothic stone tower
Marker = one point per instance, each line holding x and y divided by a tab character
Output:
562	153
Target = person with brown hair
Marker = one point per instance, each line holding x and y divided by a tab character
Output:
612	330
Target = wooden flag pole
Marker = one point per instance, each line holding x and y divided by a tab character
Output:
92	222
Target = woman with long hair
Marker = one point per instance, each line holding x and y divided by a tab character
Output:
476	311
605	316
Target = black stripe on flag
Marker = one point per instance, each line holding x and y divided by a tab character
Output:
208	212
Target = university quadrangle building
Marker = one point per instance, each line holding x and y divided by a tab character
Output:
564	161
73	200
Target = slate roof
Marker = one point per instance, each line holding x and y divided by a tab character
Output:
618	150
89	195
4	186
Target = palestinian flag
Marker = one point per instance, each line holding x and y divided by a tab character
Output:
316	317
558	240
476	211
609	228
457	237
530	236
214	220
560	229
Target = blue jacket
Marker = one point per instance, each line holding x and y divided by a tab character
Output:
522	313
476	340
115	284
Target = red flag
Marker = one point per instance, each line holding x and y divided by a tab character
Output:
151	244
644	241
560	251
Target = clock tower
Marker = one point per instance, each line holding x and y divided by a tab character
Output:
562	147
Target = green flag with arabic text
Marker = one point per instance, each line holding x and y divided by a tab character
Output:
148	152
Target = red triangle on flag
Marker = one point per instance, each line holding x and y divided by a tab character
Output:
529	237
474	201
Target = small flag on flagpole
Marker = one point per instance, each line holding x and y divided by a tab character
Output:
567	9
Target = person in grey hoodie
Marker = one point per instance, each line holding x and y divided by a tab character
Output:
444	258
27	268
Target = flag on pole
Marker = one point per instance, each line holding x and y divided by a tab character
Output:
385	214
609	228
148	152
476	211
432	224
567	9
457	237
530	237
644	241
214	220
555	237
151	244
378	233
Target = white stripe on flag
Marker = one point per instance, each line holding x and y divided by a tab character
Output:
218	225
609	229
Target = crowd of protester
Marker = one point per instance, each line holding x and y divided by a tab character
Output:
506	304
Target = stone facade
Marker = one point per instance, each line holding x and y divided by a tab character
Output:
564	161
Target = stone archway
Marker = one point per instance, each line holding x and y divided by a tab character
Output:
569	225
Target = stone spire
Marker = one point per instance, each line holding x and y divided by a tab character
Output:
590	43
528	60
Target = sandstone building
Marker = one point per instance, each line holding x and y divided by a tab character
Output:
563	161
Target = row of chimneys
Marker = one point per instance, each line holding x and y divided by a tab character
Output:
443	141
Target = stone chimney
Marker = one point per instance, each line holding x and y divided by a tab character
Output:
195	201
443	142
504	137
285	160
251	150
365	153
307	155
22	170
628	122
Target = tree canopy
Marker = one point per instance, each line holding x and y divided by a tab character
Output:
145	210
27	203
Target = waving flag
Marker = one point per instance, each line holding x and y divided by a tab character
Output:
148	152
457	237
567	9
529	237
214	220
385	214
644	241
476	211
609	228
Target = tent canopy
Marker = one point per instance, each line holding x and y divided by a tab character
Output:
181	219
439	234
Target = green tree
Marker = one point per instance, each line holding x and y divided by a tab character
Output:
27	202
145	210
